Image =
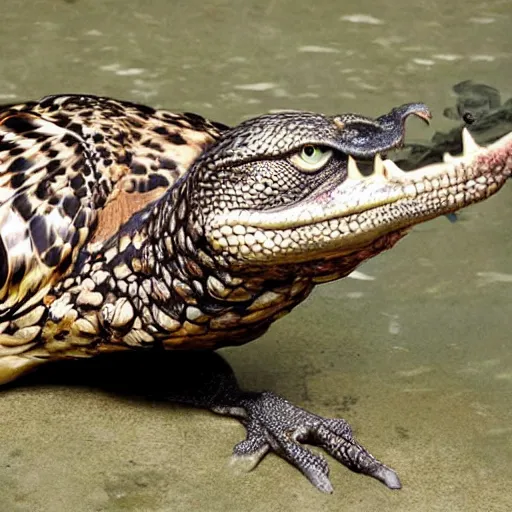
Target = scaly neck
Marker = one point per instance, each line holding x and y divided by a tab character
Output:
189	298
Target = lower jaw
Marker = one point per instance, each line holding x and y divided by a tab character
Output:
324	266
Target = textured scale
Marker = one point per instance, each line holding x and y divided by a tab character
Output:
73	169
126	227
123	227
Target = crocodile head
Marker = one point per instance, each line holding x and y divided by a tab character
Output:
284	190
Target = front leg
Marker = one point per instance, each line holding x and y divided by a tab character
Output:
274	424
205	379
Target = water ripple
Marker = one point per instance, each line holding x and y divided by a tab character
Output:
362	18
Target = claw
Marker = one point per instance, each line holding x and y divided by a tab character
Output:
351	454
388	477
246	462
321	482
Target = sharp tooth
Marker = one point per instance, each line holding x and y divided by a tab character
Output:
353	171
468	143
447	158
392	170
378	166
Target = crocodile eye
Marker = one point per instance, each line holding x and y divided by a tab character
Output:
311	158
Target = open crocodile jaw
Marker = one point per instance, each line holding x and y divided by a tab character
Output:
360	210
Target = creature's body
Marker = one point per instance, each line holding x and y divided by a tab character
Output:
87	166
122	227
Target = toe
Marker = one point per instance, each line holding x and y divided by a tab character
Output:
354	456
387	476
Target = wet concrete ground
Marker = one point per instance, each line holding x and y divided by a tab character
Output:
418	360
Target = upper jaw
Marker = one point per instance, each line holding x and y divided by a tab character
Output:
361	209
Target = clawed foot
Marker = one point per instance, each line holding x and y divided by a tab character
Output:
273	423
205	380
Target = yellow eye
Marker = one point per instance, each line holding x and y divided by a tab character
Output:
311	158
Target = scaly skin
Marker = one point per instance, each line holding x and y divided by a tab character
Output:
79	280
124	227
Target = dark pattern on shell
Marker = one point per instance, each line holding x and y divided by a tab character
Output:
64	159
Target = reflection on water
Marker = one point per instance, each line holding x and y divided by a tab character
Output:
415	351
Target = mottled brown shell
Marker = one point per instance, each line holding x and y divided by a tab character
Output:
73	169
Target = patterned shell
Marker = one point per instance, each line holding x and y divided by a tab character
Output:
73	169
